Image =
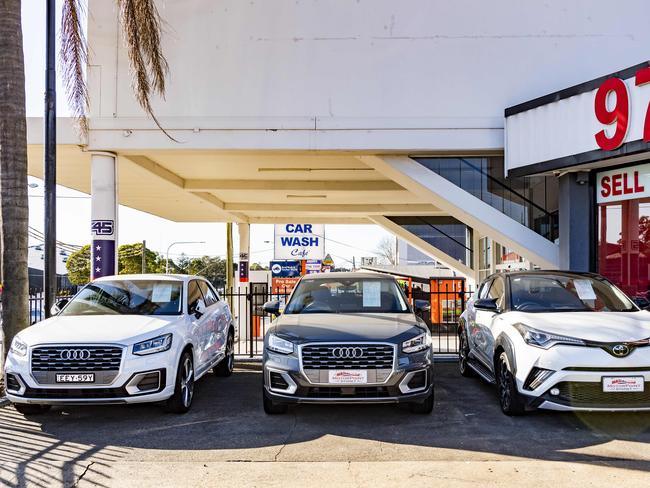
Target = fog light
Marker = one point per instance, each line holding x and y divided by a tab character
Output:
555	391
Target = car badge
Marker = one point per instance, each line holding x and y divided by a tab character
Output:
620	350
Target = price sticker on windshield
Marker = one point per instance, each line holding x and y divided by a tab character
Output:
372	294
584	289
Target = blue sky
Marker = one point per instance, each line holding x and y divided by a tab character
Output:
73	208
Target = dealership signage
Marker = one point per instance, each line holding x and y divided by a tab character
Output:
284	275
623	184
581	124
299	241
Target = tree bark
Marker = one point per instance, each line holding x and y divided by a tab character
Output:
14	209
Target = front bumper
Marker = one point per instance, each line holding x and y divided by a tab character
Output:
576	383
410	381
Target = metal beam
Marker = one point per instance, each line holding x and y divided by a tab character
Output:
293	185
288	219
160	171
424	246
365	209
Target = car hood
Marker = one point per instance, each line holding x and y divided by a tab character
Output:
590	326
319	327
94	329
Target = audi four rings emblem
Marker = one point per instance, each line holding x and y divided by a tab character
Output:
75	355
347	352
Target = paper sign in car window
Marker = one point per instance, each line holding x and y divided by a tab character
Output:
584	289
162	293
372	294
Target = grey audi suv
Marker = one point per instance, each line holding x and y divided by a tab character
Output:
347	338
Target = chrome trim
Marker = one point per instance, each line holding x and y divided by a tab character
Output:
341	343
292	384
403	385
76	346
132	388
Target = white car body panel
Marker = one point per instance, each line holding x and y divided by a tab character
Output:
206	335
571	363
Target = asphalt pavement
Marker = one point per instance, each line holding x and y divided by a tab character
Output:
227	440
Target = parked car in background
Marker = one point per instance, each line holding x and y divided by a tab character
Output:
557	340
347	338
123	339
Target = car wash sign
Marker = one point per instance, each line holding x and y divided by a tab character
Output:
299	241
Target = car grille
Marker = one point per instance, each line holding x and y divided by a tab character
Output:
373	356
584	394
343	392
98	358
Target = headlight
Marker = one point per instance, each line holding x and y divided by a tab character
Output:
545	340
280	345
18	347
152	346
417	344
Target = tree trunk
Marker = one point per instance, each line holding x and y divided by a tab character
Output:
14	209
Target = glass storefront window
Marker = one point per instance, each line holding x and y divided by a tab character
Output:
624	244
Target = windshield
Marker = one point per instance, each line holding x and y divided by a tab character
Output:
567	293
127	297
351	295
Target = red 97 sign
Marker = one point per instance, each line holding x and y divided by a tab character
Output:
620	114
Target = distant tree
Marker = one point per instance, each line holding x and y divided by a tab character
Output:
258	267
386	250
78	266
129	257
211	268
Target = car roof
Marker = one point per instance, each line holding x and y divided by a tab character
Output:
347	275
148	276
544	272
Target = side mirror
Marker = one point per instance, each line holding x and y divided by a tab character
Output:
58	306
199	308
487	304
422	306
272	307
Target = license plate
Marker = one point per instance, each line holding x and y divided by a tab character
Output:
347	376
75	378
618	384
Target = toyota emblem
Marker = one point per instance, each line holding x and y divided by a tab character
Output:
347	352
621	350
75	355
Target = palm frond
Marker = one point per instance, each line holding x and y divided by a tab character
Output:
74	56
141	25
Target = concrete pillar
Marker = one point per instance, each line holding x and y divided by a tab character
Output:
493	255
476	257
577	247
103	214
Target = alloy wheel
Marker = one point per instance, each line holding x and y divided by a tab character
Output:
187	382
504	385
230	352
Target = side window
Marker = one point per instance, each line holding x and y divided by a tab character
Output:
497	292
193	295
209	295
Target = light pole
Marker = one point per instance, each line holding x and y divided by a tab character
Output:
173	244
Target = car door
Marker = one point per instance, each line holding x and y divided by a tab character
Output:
199	325
218	321
473	330
484	321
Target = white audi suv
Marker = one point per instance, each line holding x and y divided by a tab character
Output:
123	339
557	340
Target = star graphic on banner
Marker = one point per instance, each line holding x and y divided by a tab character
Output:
99	248
98	270
98	258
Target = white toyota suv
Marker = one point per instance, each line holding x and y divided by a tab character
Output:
557	340
123	339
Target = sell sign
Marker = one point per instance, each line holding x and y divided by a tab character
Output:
299	241
623	184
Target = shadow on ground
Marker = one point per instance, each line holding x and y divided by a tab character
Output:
227	424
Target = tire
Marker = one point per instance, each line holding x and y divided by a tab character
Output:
463	355
512	402
31	409
271	407
181	400
425	407
227	364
